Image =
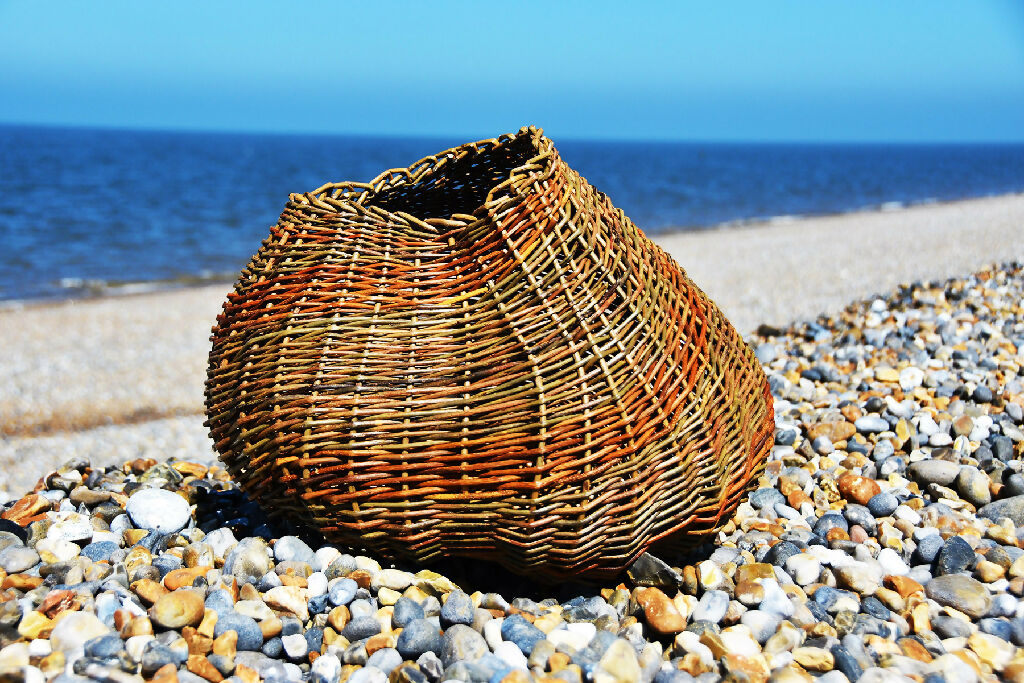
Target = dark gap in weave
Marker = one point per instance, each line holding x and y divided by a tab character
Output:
457	185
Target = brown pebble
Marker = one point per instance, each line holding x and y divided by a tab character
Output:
814	658
209	622
988	571
362	577
557	662
835	431
168	673
837	534
139	626
749	593
178	609
858	534
26	509
915	650
147	589
798	498
858	489
226	644
380	641
739	668
56	602
753	572
660	612
22	582
198	644
201	666
183	578
248	592
247	674
271	627
338	617
133	536
292	580
191	469
904	585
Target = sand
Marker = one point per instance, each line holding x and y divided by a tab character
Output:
123	377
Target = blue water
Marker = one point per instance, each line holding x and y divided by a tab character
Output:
87	211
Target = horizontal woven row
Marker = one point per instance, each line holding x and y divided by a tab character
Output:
481	356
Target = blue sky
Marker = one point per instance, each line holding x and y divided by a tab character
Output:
926	70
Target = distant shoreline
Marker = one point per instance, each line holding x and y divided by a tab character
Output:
221	282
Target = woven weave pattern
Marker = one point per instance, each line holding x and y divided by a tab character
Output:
481	356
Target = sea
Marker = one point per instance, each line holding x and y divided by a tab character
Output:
90	212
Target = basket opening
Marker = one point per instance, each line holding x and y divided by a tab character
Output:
457	185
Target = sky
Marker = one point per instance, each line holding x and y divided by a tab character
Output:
747	70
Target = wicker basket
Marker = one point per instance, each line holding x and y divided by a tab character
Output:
481	356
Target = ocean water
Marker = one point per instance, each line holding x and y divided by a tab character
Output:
86	212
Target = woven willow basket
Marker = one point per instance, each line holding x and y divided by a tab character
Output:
480	356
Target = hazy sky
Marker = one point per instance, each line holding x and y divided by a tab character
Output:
927	70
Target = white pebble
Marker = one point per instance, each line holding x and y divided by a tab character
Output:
295	645
316	584
157	509
510	653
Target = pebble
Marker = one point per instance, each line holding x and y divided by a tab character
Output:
457	609
461	643
960	592
955	556
177	609
417	637
158	510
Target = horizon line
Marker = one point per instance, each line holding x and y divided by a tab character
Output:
449	136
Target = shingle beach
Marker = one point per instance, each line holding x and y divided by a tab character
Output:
885	541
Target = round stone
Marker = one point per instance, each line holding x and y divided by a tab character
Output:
956	556
960	592
461	643
99	551
158	510
342	592
660	612
360	628
406	610
858	489
882	504
973	485
457	609
325	669
177	609
930	471
871	424
248	560
294	549
418	636
250	637
711	607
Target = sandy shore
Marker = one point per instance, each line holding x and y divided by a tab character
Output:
123	377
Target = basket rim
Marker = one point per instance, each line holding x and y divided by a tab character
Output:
352	193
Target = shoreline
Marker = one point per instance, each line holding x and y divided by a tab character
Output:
135	364
120	290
